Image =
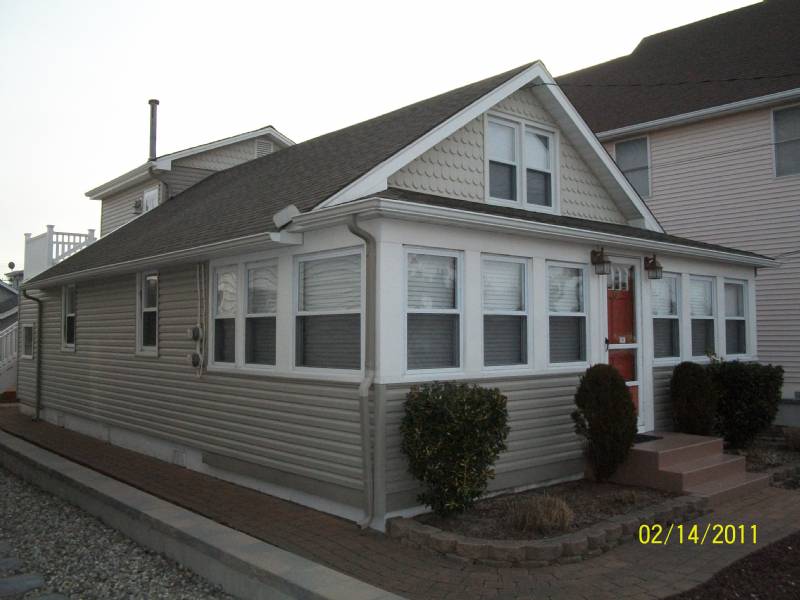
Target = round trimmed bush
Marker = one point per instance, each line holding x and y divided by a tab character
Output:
694	399
606	418
452	436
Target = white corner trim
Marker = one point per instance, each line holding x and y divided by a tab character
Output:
698	115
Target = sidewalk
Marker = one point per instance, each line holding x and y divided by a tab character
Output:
629	571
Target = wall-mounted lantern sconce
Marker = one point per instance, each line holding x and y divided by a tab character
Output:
602	266
653	267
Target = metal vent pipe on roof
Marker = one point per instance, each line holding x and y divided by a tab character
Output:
153	120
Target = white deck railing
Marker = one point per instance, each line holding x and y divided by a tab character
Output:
51	247
8	347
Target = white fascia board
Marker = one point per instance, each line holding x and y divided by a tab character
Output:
249	243
400	209
138	175
376	179
699	115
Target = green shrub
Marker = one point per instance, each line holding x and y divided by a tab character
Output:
749	394
694	399
539	514
452	435
605	417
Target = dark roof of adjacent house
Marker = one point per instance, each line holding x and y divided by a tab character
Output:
563	221
757	47
8	304
242	200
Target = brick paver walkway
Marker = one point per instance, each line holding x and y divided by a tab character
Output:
629	571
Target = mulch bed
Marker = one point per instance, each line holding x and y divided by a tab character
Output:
772	573
590	502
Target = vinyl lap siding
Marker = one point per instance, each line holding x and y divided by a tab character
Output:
222	158
118	209
181	178
714	181
308	430
542	445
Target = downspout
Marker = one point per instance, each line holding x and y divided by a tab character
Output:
369	368
38	350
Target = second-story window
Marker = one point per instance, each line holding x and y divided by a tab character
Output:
520	163
149	199
787	141
632	157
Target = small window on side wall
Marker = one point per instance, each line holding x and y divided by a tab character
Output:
633	160
69	313
147	319
786	123
27	341
226	310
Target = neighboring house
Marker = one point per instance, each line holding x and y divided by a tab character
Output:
265	325
163	177
9	311
717	161
9	299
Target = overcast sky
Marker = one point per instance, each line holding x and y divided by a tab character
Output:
75	76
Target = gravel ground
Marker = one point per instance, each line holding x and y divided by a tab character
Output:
80	557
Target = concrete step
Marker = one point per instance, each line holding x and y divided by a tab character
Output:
727	488
680	448
683	475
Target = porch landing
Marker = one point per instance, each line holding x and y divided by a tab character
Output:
689	464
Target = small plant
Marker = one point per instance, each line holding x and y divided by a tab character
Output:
452	436
749	394
539	514
606	418
625	498
694	399
792	437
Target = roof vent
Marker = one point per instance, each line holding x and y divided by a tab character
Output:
263	147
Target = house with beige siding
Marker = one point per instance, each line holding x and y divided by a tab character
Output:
265	324
704	120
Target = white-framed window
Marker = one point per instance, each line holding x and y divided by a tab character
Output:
666	310
633	159
786	134
505	311
328	311
69	311
735	317
566	304
261	311
27	341
147	313
149	199
701	307
433	309
225	306
521	164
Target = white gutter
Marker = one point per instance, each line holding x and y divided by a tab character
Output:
406	210
698	115
243	244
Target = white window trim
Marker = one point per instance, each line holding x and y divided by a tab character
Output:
526	299
65	347
649	163
745	318
459	310
713	318
519	124
142	350
668	360
33	342
775	143
296	312
558	366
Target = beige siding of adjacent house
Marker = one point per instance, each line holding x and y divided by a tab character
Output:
118	209
714	181
542	445
222	158
299	434
455	167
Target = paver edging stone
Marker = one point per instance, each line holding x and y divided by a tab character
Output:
568	548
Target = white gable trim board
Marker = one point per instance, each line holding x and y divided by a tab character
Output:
376	179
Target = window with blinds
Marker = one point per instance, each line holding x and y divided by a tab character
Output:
433	319
567	313
147	322
328	316
226	310
261	309
735	319
633	160
505	312
666	316
701	307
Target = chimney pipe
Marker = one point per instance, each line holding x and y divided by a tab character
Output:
153	119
